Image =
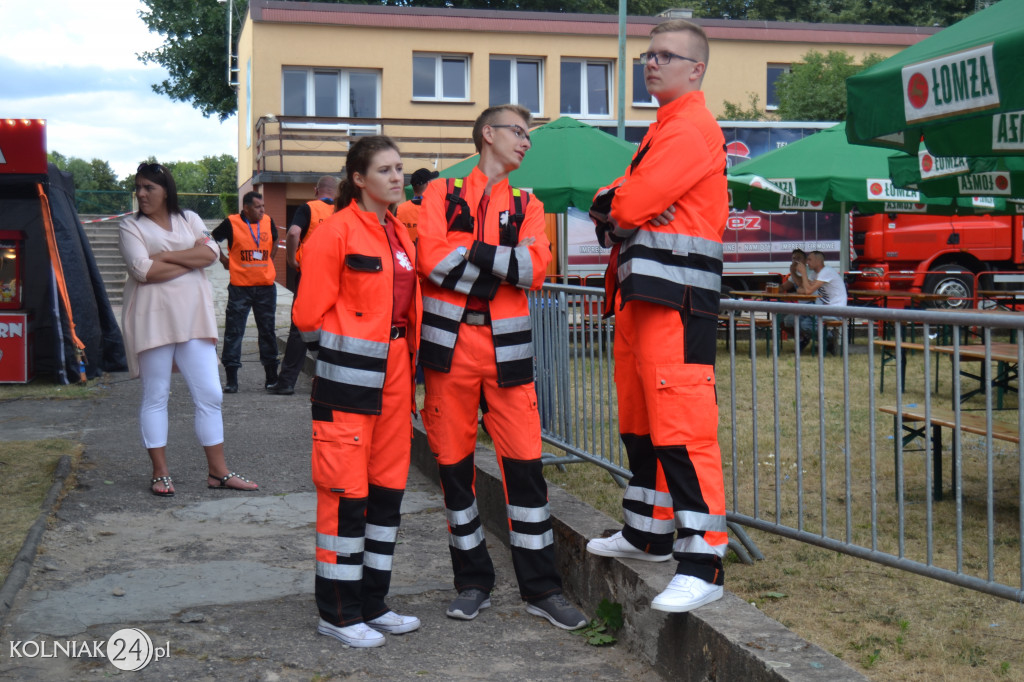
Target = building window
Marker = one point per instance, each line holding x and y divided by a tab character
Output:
516	80
586	87
440	77
771	100
329	93
641	98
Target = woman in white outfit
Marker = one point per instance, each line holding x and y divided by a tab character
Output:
168	323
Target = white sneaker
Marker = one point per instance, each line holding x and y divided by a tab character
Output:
358	635
619	546
685	593
394	624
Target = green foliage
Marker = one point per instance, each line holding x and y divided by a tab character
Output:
879	12
736	112
815	90
608	619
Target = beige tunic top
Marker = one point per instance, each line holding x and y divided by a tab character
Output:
160	313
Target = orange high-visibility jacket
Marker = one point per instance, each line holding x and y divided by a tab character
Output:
681	163
319	211
247	270
409	213
492	270
345	304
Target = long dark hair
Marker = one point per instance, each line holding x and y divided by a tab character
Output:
159	175
358	161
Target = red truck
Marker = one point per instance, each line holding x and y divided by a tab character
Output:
939	254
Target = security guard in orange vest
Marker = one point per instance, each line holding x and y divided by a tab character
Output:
304	223
665	218
359	306
481	245
252	242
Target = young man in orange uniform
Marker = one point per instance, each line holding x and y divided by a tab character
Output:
481	245
664	220
252	242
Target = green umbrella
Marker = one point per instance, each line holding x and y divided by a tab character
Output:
976	176
961	89
568	162
824	172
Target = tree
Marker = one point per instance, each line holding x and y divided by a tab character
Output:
736	112
878	12
815	90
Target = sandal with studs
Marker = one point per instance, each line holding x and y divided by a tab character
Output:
222	482
168	484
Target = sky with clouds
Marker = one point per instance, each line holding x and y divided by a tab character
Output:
73	62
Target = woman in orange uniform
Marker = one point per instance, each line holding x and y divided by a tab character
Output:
359	307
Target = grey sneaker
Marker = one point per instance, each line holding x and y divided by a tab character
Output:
557	609
468	604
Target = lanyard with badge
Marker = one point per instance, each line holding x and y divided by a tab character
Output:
256	253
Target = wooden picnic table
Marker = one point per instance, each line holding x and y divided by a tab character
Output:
782	296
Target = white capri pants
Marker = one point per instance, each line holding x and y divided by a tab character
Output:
196	359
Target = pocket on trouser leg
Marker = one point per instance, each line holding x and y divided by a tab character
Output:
513	422
340	451
451	432
683	404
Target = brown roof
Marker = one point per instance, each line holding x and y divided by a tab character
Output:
449	19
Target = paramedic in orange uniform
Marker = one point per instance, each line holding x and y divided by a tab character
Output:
664	220
409	211
359	308
252	242
481	246
304	223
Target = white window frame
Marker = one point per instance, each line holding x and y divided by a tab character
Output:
439	58
343	87
514	82
650	103
609	87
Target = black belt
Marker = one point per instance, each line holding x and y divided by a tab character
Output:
398	332
476	318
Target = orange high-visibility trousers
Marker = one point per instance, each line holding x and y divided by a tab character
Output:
668	421
450	410
360	468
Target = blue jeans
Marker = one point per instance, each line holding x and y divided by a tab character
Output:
263	302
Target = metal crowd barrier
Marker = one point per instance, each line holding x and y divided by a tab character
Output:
808	451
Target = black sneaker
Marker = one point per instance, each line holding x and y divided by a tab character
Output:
558	611
468	604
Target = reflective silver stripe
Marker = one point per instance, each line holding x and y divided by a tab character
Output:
692	520
525	266
462	517
381	533
333	543
381	562
309	337
339	571
439	336
624	232
510	325
502	257
436	306
695	544
350	344
648	496
469	276
465	542
528	514
648	525
684	276
348	375
678	244
522	351
525	541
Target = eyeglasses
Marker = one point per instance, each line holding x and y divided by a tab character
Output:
149	168
662	58
517	130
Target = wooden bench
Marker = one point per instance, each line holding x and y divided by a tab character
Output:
915	422
889	355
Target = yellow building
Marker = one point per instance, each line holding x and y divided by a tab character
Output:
312	75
